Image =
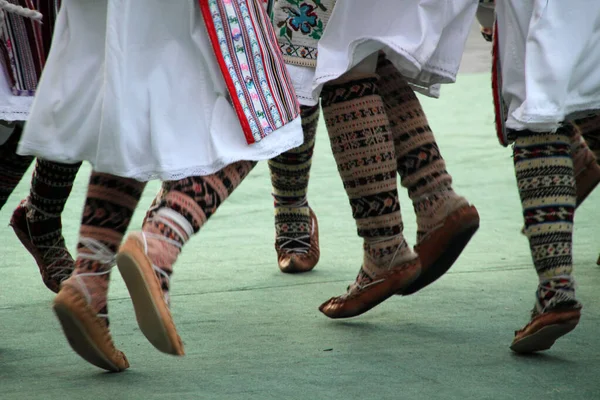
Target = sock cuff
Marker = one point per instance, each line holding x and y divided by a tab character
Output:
349	89
175	221
185	207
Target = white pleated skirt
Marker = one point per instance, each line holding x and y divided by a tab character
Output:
424	39
550	59
133	87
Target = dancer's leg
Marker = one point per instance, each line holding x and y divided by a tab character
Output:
146	259
81	305
363	148
296	229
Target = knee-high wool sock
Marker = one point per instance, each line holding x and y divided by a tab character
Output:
290	173
51	186
182	209
546	183
421	166
363	148
109	206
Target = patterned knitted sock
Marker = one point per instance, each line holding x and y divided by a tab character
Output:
590	130
290	172
363	148
182	208
12	165
420	165
109	206
51	186
165	232
546	183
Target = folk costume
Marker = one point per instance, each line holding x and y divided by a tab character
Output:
546	79
585	143
298	26
26	28
202	113
377	128
190	92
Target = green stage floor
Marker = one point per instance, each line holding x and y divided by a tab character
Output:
254	333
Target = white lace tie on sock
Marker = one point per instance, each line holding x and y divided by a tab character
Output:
284	241
179	225
100	253
374	281
563	292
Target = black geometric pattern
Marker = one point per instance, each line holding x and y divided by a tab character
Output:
203	190
290	172
51	186
416	148
355	90
102	212
360	146
376	205
543	176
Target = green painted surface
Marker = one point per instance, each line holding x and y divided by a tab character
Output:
254	333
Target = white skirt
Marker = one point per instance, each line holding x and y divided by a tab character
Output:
133	87
12	108
424	39
302	79
550	60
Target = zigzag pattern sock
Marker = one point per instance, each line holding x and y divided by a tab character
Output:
419	161
290	173
51	186
363	148
109	206
189	203
546	183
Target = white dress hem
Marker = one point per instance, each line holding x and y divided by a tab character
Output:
284	139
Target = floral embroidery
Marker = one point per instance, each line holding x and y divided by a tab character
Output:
302	17
305	20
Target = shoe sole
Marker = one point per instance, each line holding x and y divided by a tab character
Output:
454	249
544	338
78	337
153	317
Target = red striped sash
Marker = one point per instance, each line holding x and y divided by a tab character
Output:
248	55
25	45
